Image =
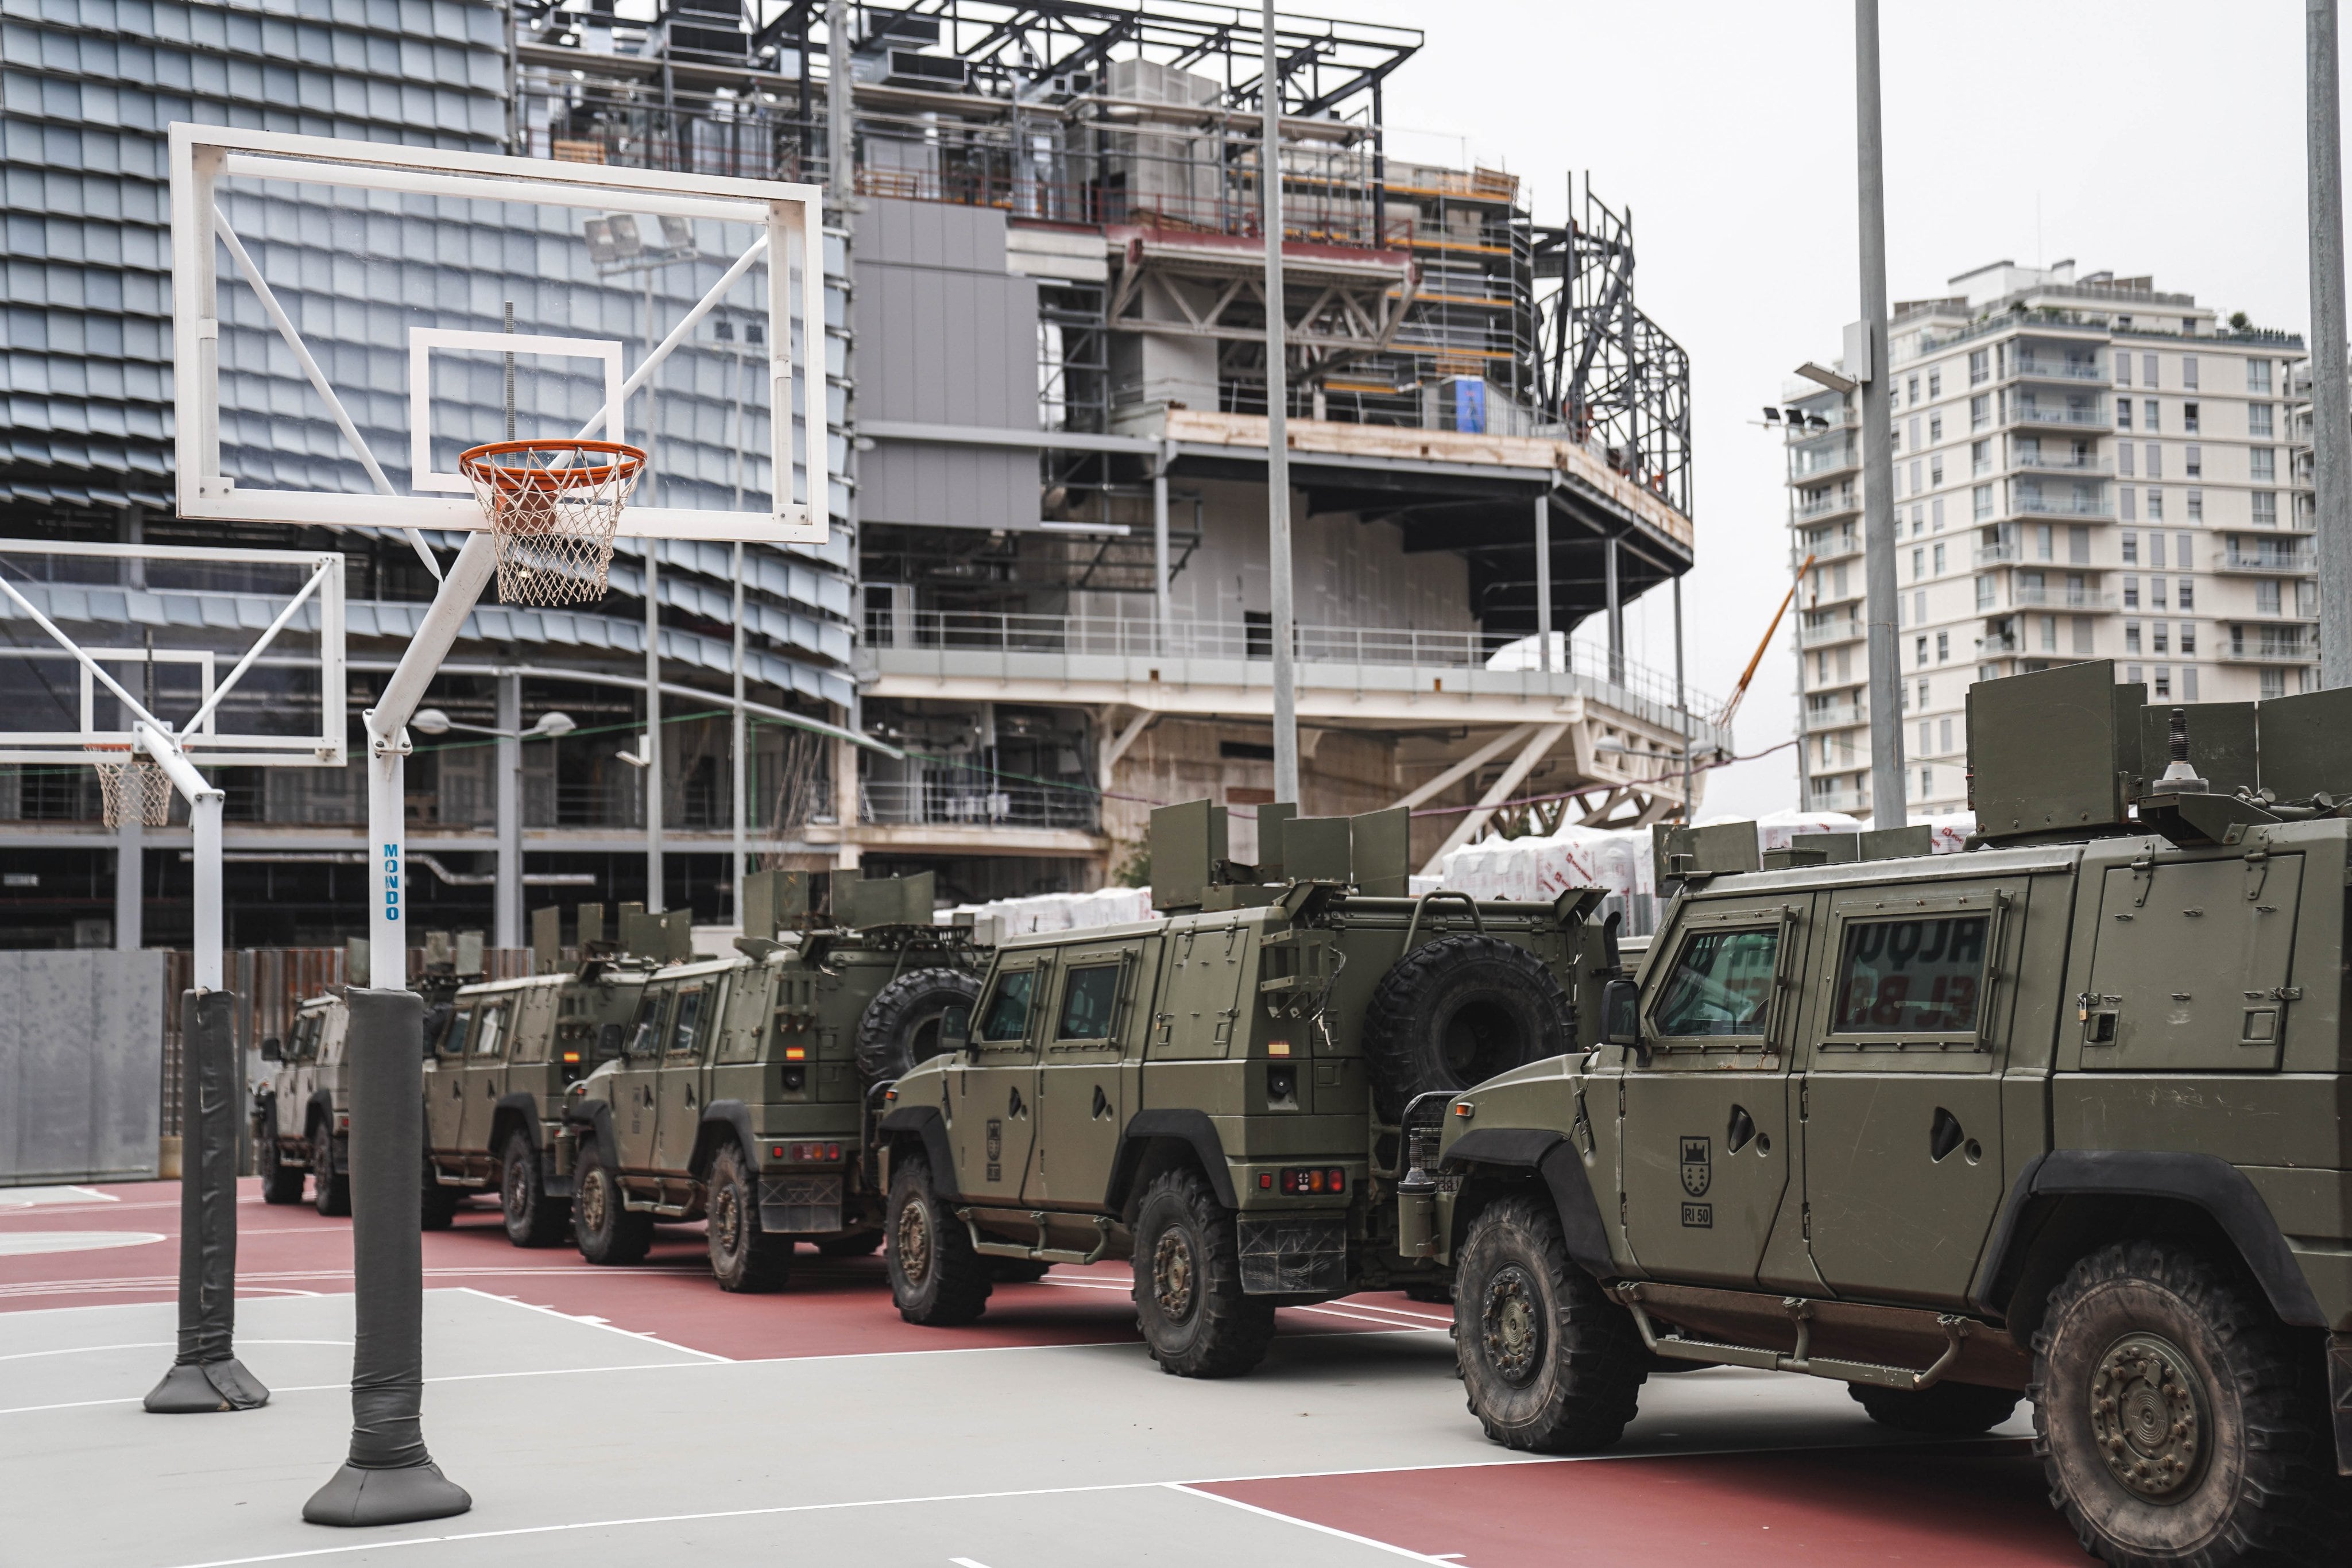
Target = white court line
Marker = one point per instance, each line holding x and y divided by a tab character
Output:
1389	1547
159	1344
1390	1324
598	1324
966	1563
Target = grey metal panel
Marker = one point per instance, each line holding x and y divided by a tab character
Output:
81	1065
949	487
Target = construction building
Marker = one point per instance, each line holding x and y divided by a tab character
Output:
1047	585
2084	468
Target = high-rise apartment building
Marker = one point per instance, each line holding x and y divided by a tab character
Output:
2084	468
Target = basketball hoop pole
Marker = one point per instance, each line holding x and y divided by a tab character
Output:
389	1477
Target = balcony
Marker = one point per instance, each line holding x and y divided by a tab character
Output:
1999	555
1852	802
1993	647
1808	466
965	797
2059	598
1847	631
2040	464
2029	412
2294	562
1837	715
1829	506
2080	510
2267	647
2047	367
1845	542
1345	674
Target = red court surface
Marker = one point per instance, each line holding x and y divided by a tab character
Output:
1980	1503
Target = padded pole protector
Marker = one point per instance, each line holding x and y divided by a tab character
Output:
389	1478
206	1376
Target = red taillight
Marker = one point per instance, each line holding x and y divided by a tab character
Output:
1264	1180
1312	1179
811	1154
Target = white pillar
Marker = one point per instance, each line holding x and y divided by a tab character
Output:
506	909
1277	444
742	861
1616	609
1543	579
653	748
205	819
129	884
1162	593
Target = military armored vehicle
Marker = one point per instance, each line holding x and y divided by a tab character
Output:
496	1074
2060	1119
1217	1094
301	1113
739	1094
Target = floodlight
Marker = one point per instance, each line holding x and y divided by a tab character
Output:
555	725
1826	377
1771	414
429	721
599	233
638	759
678	233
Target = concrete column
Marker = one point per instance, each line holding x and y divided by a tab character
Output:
505	911
1616	609
2331	399
845	800
1887	795
1543	579
1162	593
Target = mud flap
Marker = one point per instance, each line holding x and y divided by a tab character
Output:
791	1205
2340	1397
1294	1254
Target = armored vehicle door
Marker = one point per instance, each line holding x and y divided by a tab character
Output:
1079	1116
1703	1136
2188	969
992	1092
635	1085
445	1083
738	1072
484	1075
1201	999
1902	1086
693	1018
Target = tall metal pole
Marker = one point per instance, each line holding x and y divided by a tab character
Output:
1886	807
1682	700
2331	402
742	798
506	900
840	133
1278	440
1543	581
1805	737
652	752
1164	613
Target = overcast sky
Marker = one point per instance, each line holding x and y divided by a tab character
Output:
2155	137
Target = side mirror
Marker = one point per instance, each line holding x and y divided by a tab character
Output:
955	1027
1621	1014
271	1049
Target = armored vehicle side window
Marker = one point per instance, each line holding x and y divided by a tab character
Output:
461	1024
489	1034
1911	977
1087	999
1007	1018
306	1039
1721	984
685	1025
643	1039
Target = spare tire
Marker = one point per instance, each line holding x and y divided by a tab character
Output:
901	1026
1455	1012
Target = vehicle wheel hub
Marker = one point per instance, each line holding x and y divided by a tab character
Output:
2148	1417
1512	1325
911	1242
592	1205
726	1221
518	1187
1171	1276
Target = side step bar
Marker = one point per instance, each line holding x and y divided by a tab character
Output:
1675	1346
1040	1253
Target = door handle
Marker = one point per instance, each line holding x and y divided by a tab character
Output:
457	1087
1012	1105
1943	1135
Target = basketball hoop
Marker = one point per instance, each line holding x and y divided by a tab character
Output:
553	505
129	781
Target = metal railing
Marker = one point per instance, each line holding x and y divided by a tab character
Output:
2028	412
1829	632
2039	368
1837	715
2061	506
2059	598
1827	505
2270	649
971	799
1999	555
2285	562
2070	464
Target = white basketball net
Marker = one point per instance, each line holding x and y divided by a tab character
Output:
132	785
552	506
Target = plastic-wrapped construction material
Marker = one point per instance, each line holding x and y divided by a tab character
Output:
390	1477
1060	911
206	1376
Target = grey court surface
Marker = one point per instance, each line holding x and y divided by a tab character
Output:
584	1444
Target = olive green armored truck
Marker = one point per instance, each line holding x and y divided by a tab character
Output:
1217	1094
2061	1119
497	1071
741	1092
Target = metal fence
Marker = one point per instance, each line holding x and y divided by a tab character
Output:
970	797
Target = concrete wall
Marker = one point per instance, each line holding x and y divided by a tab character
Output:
81	1065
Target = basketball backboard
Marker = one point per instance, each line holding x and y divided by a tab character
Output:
240	652
349	316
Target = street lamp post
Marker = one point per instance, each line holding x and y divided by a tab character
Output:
507	897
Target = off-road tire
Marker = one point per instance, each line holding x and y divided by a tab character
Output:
1018	1270
901	1026
858	1244
1188	1301
1938	1410
1455	1012
602	1225
330	1188
936	1277
1550	1363
280	1183
2179	1336
533	1218
742	1257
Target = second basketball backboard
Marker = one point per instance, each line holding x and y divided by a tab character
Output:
349	316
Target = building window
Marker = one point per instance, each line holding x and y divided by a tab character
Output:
1923	684
2131	636
2258	377
2188	641
1984	592
2131	547
1935	469
1915	390
1936	506
1927	782
2194	461
2044	547
1919	654
2131	593
1979	456
2188	370
2127	500
2078	545
2155	548
2265	508
2187	592
2155	505
2082	636
2163	679
1925	746
1919	606
1983	500
2258	421
1979	410
2132	675
2147	377
2274	683
1939	561
2266	598
1936	383
1979	367
2125	460
1936	425
2306	599
2159	640
2155	464
1918	558
2123	368
2187	679
2156	593
2196	505
2189	418
2050	633
1943	647
2123	414
2181	557
2147	408
2262	464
